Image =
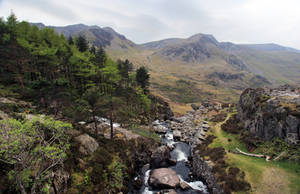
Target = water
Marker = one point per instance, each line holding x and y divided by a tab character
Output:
181	154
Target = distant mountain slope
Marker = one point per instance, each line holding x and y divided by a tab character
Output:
269	47
199	67
104	37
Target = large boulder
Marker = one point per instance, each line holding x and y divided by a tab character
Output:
202	170
161	157
270	113
177	134
87	144
164	178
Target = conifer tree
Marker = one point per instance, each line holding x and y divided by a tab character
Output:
82	44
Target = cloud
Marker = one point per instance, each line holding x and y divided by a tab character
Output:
241	21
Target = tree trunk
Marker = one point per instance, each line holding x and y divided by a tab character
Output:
111	127
20	185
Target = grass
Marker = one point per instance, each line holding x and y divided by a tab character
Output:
145	132
264	177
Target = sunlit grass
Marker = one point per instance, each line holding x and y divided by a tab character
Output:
287	174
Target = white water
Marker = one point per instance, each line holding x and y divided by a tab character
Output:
107	121
180	154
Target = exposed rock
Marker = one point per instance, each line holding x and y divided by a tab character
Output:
202	170
170	191
163	111
184	186
161	157
270	113
176	134
3	115
88	145
164	178
160	129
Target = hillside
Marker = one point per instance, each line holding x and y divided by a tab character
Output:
182	70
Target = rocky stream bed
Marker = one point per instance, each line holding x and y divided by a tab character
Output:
175	166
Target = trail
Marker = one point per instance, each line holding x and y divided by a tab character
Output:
263	176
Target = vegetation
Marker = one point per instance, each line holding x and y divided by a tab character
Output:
263	176
33	148
68	78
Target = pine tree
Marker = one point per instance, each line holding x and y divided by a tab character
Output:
70	40
142	78
82	44
100	57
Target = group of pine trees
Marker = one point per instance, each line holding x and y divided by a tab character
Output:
69	75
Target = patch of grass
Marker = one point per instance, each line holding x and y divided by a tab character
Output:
262	175
145	132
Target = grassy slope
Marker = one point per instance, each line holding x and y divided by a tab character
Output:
280	67
264	177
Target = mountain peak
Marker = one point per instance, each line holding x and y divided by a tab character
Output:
200	36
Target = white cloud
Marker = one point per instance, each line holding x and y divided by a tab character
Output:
242	21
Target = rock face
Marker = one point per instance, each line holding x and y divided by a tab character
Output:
161	157
202	169
270	113
87	144
164	178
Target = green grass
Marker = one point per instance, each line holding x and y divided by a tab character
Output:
259	173
145	132
256	169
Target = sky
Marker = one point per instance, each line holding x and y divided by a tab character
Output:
237	21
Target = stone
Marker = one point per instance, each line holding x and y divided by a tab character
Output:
160	157
184	186
88	145
169	191
3	115
270	113
206	126
176	134
160	129
164	178
201	169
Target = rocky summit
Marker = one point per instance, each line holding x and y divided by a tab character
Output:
270	113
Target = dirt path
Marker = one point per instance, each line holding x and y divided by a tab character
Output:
263	177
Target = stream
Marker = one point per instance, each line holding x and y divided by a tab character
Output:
181	154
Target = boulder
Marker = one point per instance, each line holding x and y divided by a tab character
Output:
3	115
184	186
206	126
161	157
88	145
176	134
160	129
270	113
169	191
164	178
202	170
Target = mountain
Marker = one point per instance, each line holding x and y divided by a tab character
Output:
199	67
100	37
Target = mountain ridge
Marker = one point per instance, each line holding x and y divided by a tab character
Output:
199	63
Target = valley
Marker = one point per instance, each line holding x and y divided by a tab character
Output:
85	110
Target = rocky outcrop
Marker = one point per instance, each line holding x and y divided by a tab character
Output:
164	178
88	145
161	110
161	158
202	170
270	113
